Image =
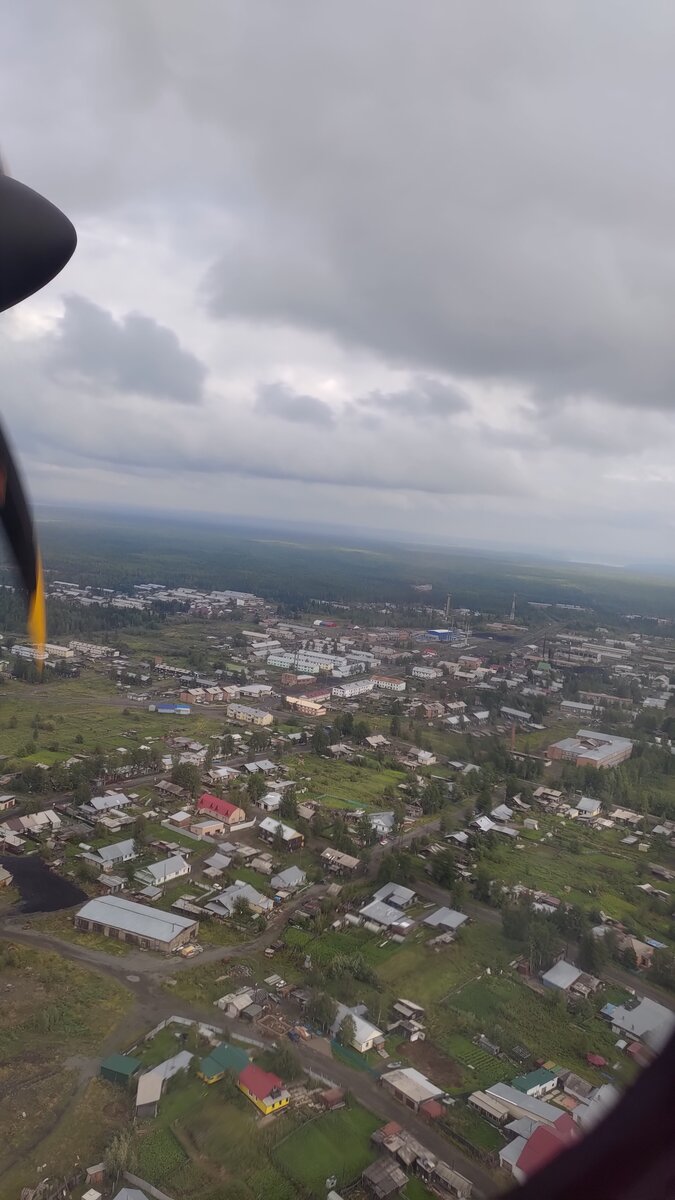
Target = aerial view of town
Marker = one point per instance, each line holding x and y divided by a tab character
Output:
337	600
351	897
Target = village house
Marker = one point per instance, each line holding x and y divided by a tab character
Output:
225	905
366	1035
396	894
221	1059
264	1089
340	863
270	802
289	880
563	977
269	829
113	855
160	873
230	814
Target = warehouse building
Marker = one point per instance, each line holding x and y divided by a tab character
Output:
591	749
148	928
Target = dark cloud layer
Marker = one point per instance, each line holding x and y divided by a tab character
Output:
423	252
134	354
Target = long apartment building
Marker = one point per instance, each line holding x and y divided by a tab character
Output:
250	716
351	688
313	662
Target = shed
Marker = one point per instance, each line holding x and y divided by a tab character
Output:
431	1109
446	918
332	1098
562	976
120	1068
383	1178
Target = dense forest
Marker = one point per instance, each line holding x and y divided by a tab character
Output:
295	568
67	618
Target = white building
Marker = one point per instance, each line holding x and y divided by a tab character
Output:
351	688
163	872
426	672
366	1035
387	683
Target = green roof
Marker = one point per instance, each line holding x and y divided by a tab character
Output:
533	1079
121	1064
223	1058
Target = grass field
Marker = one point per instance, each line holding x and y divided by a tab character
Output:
415	1190
470	1125
90	708
60	924
52	1010
430	976
610	872
340	783
206	1146
334	1144
80	1134
510	1013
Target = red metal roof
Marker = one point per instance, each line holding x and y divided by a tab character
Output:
432	1109
546	1143
214	804
259	1083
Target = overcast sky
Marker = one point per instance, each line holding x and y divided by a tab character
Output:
392	264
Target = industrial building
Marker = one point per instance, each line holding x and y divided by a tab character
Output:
592	748
148	928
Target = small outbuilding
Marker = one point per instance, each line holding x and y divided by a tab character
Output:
120	1068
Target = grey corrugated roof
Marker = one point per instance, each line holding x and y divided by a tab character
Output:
117	850
511	1097
135	918
291	877
383	913
447	917
395	893
588	804
562	975
167	868
647	1017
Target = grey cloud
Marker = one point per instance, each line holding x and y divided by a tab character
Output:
484	195
278	400
134	354
424	398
